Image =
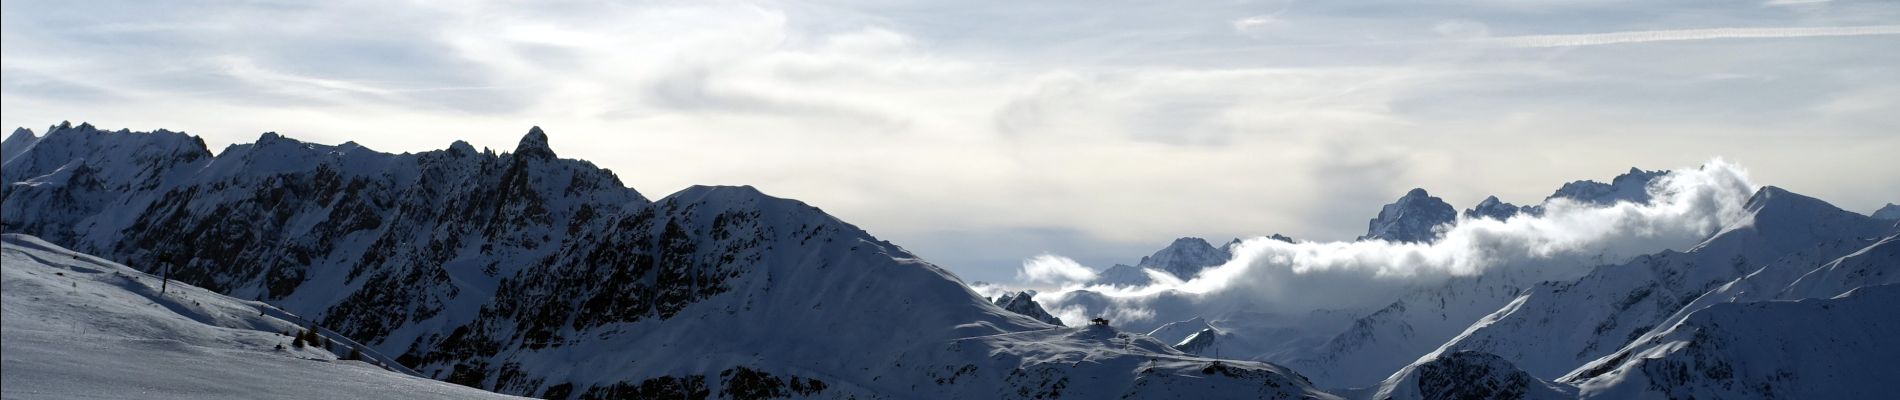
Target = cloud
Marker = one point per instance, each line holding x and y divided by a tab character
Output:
1789	3
1272	276
1049	268
979	133
1461	29
1608	38
1254	22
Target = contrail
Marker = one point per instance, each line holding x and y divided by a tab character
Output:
1597	39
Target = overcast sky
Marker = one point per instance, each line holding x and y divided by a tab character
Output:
979	133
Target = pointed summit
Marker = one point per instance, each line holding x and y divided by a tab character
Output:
534	144
1891	212
20	133
1411	218
1493	208
1185	257
16	144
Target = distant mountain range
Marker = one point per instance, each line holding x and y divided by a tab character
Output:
523	273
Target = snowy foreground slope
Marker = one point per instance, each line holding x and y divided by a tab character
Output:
77	326
523	273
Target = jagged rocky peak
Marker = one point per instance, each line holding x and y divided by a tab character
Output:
1632	186
274	138
1493	208
21	133
1024	303
1186	257
534	144
16	143
1891	212
462	147
1410	219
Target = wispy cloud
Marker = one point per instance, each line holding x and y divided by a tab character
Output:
1095	137
1608	38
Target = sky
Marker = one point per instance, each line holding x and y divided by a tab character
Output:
978	134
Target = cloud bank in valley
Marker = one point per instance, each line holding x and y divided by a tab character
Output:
1273	276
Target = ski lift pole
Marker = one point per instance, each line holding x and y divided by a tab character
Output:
165	273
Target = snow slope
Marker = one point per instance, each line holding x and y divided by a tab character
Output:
1390	338
1837	348
1555	327
1467	375
81	327
16	143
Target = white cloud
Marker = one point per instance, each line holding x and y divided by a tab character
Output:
1608	38
1461	29
1254	22
1049	268
1292	278
1787	3
979	133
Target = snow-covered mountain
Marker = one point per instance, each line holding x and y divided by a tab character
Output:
1182	259
1382	341
524	273
78	326
1835	348
1124	275
529	274
1556	326
1890	212
1468	375
1493	208
1632	186
1186	257
1413	218
16	143
1388	339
